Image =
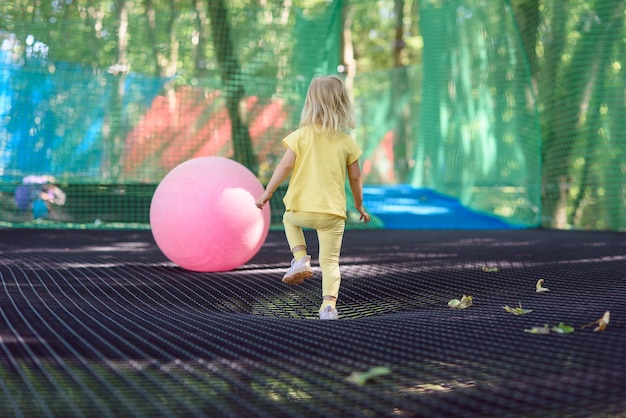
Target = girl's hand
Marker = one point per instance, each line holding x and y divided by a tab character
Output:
263	199
365	217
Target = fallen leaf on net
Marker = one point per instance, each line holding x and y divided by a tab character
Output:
563	329
602	322
546	329
465	302
517	311
539	287
488	269
538	330
361	378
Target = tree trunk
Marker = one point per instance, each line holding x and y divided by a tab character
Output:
164	66
553	184
154	43
199	40
400	111
233	90
347	48
114	125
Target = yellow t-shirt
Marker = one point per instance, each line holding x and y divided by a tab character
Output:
318	179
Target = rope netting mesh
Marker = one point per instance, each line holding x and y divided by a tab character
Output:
101	324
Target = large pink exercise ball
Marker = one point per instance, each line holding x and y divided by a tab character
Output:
203	215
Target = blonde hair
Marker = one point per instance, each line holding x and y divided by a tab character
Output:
327	104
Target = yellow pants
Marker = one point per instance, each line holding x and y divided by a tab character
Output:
330	230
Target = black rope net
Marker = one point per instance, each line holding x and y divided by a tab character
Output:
100	323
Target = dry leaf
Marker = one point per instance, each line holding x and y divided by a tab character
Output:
488	269
602	322
539	287
539	330
361	378
465	302
517	311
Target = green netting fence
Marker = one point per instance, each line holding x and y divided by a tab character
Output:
515	108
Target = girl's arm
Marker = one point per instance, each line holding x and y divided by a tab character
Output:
281	172
356	185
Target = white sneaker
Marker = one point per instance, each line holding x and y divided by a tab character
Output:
299	271
329	313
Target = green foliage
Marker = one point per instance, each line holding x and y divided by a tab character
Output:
515	106
576	52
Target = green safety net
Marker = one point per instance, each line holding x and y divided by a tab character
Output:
106	136
576	52
465	123
515	107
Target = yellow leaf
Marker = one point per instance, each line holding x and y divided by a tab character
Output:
488	269
602	322
539	287
465	302
517	311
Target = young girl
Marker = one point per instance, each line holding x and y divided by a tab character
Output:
318	156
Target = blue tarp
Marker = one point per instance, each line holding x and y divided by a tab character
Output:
52	117
406	207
